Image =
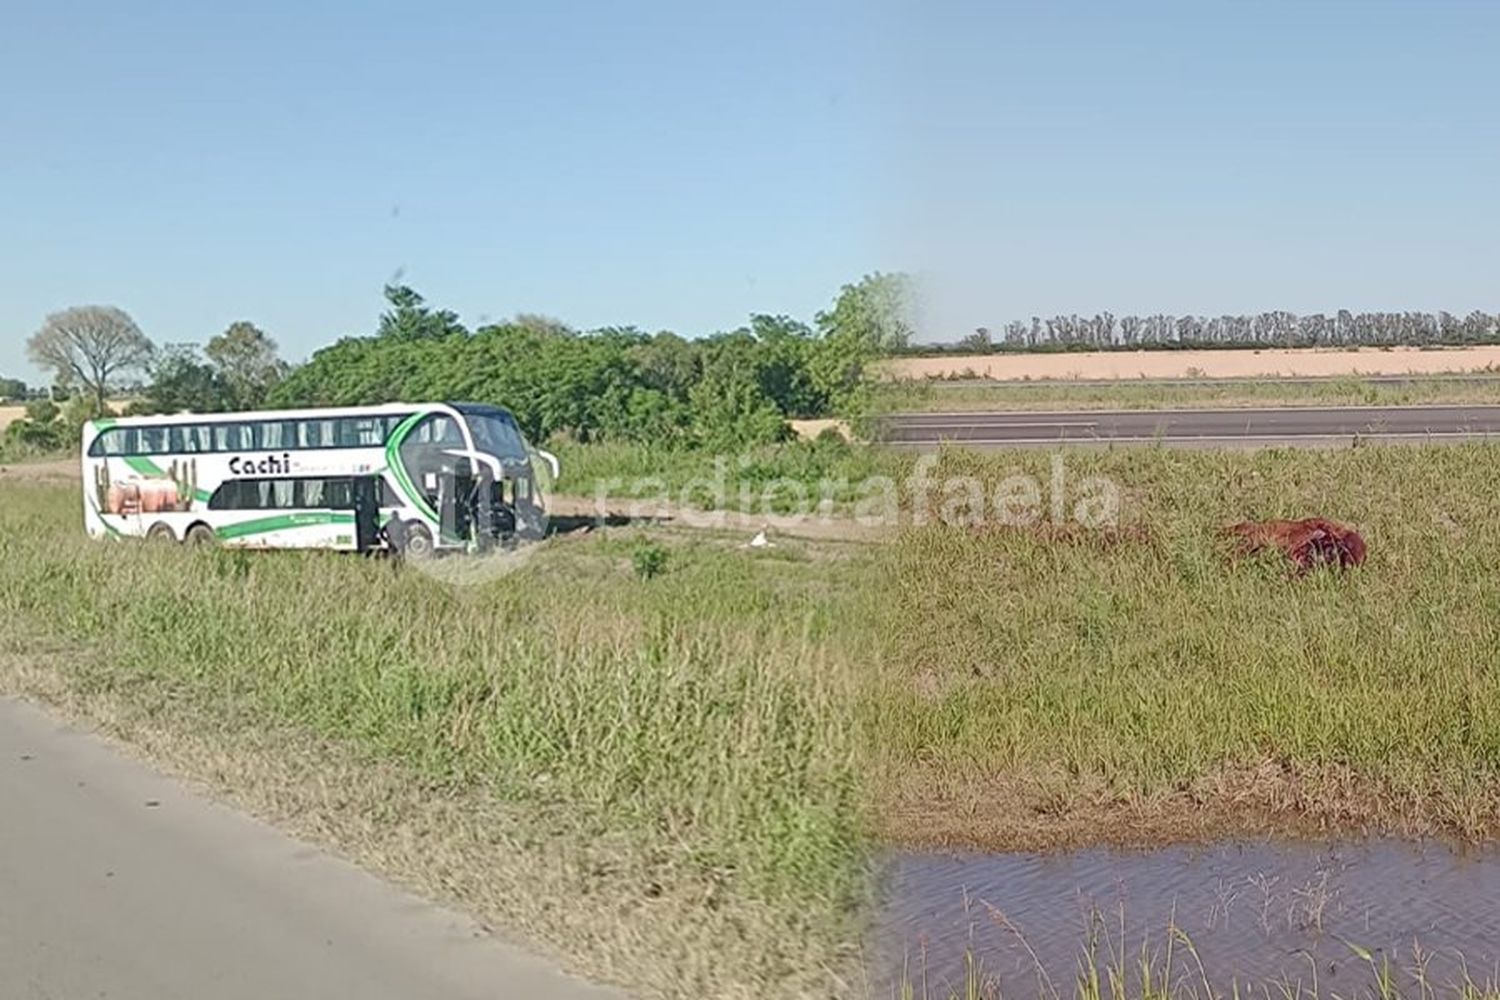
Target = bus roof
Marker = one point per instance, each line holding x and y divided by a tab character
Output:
302	413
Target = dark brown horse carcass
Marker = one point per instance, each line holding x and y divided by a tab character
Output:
1310	542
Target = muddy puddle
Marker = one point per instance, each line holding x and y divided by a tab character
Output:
1253	912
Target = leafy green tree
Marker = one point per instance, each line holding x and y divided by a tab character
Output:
874	313
41	430
785	347
546	325
12	388
246	361
616	383
731	406
43	411
869	318
409	317
181	380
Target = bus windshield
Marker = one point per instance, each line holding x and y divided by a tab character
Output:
495	432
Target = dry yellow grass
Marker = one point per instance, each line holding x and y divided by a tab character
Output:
1271	362
10	414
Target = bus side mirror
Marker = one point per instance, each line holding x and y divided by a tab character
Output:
551	460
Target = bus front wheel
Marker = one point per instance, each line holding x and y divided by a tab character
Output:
418	541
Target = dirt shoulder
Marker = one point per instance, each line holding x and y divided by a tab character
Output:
927	809
570	513
1268	363
45	470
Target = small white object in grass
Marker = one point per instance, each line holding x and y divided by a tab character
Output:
760	541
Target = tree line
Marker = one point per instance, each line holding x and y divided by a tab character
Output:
1104	331
615	383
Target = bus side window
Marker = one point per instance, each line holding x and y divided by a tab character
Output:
316	433
360	432
312	493
277	435
195	438
107	443
233	437
227	496
153	441
337	493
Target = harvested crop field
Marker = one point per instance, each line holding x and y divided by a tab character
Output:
1265	363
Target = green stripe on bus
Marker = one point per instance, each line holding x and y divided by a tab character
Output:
281	522
393	459
144	466
103	519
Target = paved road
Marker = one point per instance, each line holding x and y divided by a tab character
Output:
1242	426
116	882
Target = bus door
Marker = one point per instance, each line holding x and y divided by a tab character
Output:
456	494
366	502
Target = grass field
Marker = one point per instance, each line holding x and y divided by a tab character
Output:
1069	395
657	776
671	758
1056	687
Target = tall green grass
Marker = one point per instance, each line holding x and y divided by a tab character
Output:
1174	971
690	730
1095	667
727	731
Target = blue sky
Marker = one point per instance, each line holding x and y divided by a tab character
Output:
672	165
679	165
1198	157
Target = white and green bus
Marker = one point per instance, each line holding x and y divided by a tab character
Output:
415	477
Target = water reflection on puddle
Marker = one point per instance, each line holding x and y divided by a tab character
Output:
1252	911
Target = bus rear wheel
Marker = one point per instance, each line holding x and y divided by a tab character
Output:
161	532
200	534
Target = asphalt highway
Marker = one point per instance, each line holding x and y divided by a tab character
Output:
118	882
1240	426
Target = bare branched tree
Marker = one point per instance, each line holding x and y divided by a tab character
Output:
89	346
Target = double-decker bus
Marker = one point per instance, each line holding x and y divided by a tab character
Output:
417	477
